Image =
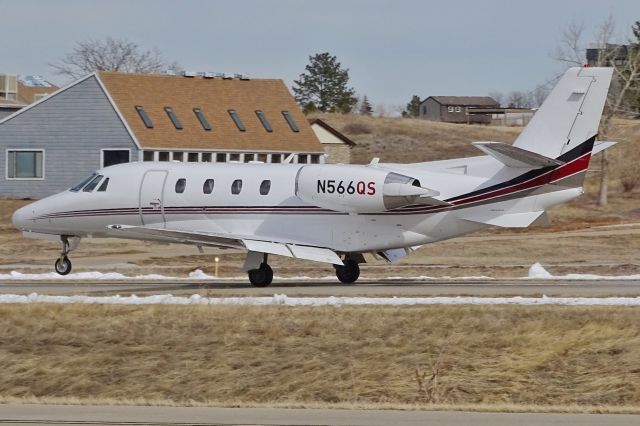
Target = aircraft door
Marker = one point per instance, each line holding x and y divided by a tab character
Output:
151	197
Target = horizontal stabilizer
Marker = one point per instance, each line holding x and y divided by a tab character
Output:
601	146
515	157
508	220
246	242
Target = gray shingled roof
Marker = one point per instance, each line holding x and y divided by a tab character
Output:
465	100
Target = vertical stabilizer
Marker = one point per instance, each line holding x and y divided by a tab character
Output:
570	115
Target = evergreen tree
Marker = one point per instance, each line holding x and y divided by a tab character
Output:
365	106
412	110
323	86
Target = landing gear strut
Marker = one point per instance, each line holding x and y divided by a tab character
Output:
63	264
262	276
349	272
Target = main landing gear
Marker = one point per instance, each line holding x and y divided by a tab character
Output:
349	272
68	244
261	277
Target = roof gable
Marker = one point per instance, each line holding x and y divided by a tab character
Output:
214	98
464	100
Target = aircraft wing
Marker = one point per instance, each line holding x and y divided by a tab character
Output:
244	242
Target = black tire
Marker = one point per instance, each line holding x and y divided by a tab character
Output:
63	266
261	277
349	272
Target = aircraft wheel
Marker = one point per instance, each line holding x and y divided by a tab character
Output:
262	276
63	265
349	272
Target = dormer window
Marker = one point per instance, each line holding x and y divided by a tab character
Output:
144	117
173	118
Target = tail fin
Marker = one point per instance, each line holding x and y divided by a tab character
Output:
570	115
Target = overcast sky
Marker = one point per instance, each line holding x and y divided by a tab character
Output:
393	49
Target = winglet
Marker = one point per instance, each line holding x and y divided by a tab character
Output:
512	156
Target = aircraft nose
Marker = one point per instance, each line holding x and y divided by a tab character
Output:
23	217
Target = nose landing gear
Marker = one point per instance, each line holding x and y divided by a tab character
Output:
68	244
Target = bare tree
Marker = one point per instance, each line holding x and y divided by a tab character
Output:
111	54
626	79
518	99
497	96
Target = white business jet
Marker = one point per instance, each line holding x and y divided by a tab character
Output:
335	213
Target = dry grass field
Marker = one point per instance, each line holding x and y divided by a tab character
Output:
525	358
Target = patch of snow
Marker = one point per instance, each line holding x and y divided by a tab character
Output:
284	300
537	271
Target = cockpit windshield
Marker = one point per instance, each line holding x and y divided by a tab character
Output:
92	185
79	186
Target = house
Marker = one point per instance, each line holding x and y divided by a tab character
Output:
108	118
457	109
607	55
16	92
337	147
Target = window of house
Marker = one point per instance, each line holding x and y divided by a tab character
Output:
181	185
163	156
424	110
92	185
144	117
111	157
221	157
236	119
276	158
262	158
173	117
207	187
192	157
104	185
314	158
290	121
203	121
264	121
302	158
147	156
25	164
236	186
234	157
450	109
265	187
248	157
206	157
178	156
458	109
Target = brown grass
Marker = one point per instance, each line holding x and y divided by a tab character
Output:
508	356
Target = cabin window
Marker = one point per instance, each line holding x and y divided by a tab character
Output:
79	186
92	185
236	186
112	157
163	156
203	121
292	124
144	117
207	187
221	157
192	157
236	119
264	121
25	164
181	185
104	185
173	117
206	157
265	187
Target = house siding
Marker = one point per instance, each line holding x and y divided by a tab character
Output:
430	110
72	127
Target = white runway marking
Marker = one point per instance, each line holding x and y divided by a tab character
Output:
284	300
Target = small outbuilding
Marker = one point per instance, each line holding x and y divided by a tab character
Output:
337	147
457	109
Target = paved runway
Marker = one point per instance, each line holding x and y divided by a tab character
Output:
598	288
121	415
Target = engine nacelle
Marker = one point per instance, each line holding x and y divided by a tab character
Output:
356	189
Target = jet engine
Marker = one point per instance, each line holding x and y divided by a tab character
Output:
358	189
